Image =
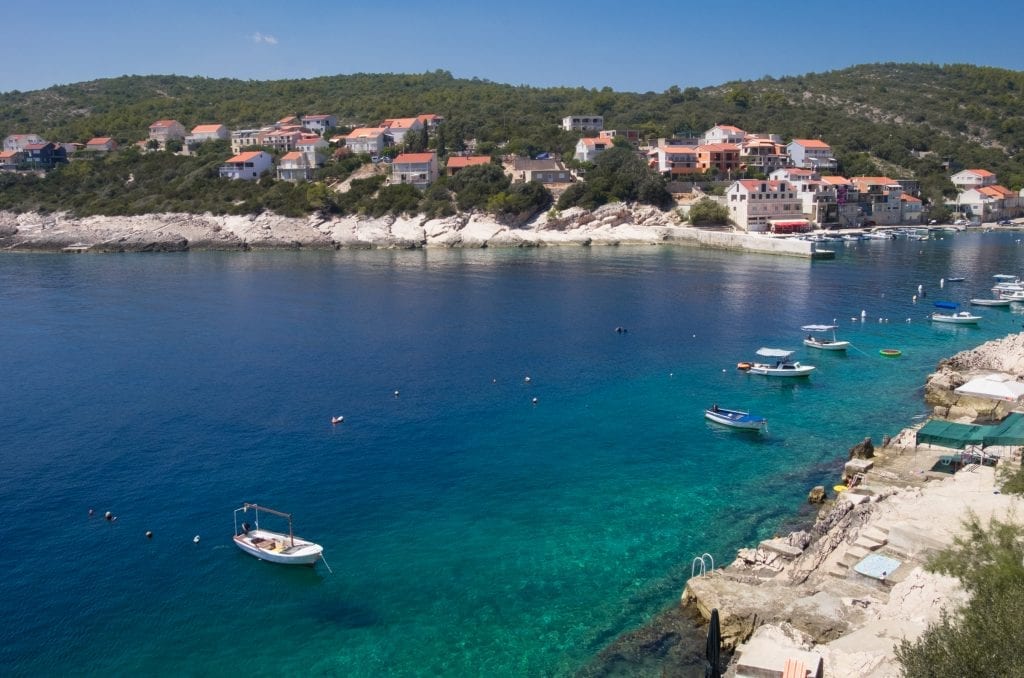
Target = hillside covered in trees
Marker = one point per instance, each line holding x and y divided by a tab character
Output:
903	120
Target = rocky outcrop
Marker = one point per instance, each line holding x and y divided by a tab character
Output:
865	449
1004	356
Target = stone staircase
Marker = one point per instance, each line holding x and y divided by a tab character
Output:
868	541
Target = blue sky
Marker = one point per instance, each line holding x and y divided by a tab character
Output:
629	46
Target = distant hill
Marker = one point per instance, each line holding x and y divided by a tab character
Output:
898	119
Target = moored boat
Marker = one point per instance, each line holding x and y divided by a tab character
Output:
824	343
956	317
991	302
736	418
782	367
274	547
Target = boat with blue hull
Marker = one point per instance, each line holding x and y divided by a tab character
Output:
736	419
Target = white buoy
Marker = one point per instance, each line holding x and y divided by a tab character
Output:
908	320
942	282
149	534
914	298
195	539
920	288
396	392
527	380
108	515
534	401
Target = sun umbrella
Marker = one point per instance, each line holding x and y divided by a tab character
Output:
714	647
994	386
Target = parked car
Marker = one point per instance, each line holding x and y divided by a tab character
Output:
1004	222
960	222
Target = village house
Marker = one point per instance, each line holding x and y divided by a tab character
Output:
45	156
101	145
723	134
880	200
759	206
397	128
973	178
314	148
588	148
319	123
9	160
811	154
18	142
202	133
817	197
295	166
847	201
417	169
723	159
460	162
763	153
674	161
247	166
242	139
279	140
911	209
630	135
431	120
991	202
582	123
543	171
163	131
368	140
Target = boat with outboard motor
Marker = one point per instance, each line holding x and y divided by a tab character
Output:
824	343
736	419
782	367
274	547
956	317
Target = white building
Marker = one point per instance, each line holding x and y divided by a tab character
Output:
17	142
675	161
244	138
811	154
295	166
313	148
761	205
582	123
247	166
973	178
397	128
366	140
163	131
319	123
723	134
417	169
588	149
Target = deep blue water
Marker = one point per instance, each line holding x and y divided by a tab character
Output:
470	531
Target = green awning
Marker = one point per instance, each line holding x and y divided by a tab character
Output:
1009	431
949	434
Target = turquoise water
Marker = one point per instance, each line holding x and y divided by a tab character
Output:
470	531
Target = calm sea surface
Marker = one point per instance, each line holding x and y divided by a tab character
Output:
470	531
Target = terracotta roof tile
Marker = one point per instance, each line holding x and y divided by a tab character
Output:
408	158
244	157
206	129
468	160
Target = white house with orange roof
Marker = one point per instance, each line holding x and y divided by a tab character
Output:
247	166
722	158
101	145
674	161
163	131
418	169
811	154
973	178
203	133
989	203
817	198
723	134
911	209
760	206
588	148
320	122
280	140
397	128
366	140
295	166
17	142
457	163
314	148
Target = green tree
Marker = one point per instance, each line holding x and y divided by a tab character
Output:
983	637
707	212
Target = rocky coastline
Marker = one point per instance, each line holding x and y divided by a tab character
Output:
609	225
797	595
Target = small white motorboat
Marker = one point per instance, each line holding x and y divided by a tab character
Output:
736	419
274	547
825	343
991	302
782	367
956	317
